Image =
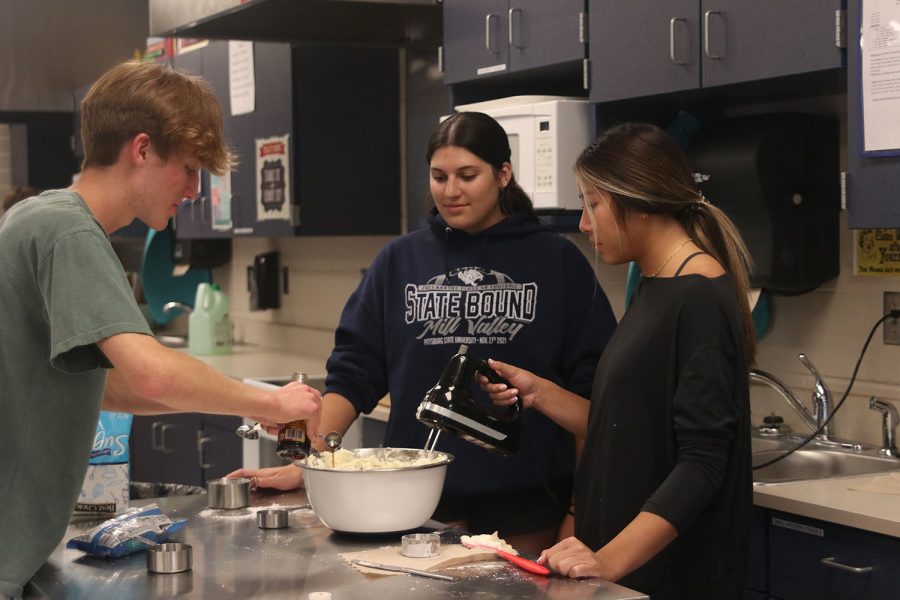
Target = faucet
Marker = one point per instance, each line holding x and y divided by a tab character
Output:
888	425
759	376
822	400
170	306
821	397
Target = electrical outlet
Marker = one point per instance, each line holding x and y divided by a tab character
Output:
891	326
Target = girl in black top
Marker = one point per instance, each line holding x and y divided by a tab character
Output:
663	488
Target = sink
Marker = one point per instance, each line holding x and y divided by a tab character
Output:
818	463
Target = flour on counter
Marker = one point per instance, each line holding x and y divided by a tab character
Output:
244	513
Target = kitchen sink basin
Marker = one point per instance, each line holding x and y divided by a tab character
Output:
818	463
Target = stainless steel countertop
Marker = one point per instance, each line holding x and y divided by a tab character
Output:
233	558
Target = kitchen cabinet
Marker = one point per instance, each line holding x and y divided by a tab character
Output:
483	38
661	46
812	559
340	108
189	449
872	181
757	567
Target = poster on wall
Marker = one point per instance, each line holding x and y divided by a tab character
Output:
877	252
273	179
879	45
220	196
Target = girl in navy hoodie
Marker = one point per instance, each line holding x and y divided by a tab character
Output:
484	273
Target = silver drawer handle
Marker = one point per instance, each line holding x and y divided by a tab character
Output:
830	562
201	453
160	428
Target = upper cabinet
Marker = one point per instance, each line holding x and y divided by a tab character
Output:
872	181
319	154
484	38
661	46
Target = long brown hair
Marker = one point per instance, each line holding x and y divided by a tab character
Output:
645	171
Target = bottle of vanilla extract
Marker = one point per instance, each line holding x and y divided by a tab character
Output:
293	441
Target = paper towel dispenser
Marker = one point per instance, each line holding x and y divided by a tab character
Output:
777	177
262	281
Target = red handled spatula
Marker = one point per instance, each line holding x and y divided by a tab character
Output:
522	563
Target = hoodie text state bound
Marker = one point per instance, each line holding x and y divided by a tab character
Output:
516	292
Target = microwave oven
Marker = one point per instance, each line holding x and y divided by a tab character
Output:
546	135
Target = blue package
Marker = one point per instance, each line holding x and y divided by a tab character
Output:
105	487
111	439
128	533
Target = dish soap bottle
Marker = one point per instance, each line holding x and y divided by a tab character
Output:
209	326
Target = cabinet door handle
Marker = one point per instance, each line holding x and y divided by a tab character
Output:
158	436
512	28
488	38
706	20
201	454
833	564
672	40
162	438
154	429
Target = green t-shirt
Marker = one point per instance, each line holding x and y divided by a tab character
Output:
62	289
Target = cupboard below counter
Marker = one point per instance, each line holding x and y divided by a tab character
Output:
827	538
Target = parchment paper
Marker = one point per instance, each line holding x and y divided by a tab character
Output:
451	554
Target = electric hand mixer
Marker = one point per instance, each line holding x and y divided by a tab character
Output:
450	406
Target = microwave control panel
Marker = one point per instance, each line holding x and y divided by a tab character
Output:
543	155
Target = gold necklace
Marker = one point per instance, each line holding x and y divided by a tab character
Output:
662	266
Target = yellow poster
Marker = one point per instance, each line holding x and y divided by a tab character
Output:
877	252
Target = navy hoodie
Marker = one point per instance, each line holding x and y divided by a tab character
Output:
517	292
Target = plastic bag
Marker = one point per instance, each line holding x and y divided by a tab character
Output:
131	532
105	487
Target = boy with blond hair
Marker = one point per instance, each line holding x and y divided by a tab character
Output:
73	340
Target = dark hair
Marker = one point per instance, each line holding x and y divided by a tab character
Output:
644	170
485	138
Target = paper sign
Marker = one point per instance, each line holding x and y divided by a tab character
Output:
880	50
877	252
241	78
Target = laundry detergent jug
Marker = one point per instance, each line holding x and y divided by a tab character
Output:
210	330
